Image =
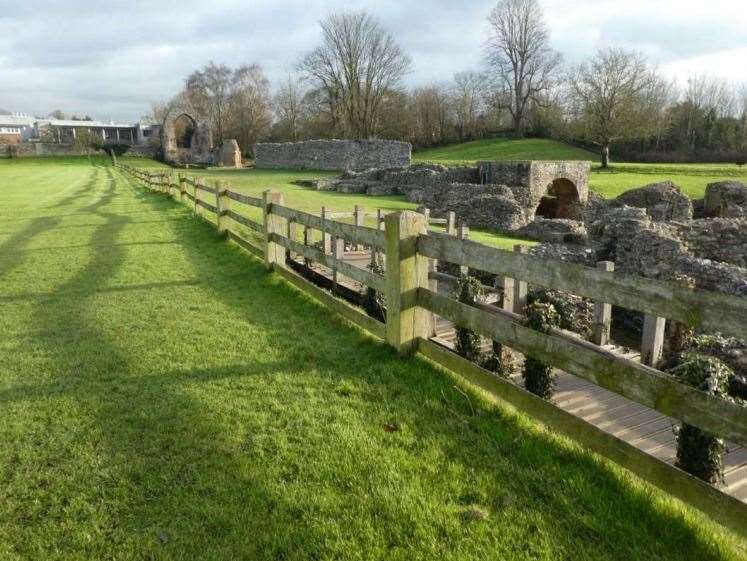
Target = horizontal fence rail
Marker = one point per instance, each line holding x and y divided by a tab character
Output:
621	375
410	282
696	308
357	234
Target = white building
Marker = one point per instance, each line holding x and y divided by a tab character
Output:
16	128
65	131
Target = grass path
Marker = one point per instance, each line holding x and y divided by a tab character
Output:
163	397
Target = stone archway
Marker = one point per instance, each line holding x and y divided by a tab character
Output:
185	128
186	140
561	200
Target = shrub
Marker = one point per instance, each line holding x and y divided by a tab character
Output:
574	312
467	291
538	376
117	149
499	361
699	452
373	301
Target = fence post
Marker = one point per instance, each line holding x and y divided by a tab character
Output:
274	224
307	241
603	312
463	234
358	219
292	230
379	226
520	286
182	187
222	206
652	343
338	253
195	192
406	271
451	227
326	237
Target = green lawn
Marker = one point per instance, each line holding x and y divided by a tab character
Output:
621	177
164	397
504	149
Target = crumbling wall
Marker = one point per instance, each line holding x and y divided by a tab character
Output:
228	154
201	143
532	180
727	199
663	250
718	239
333	155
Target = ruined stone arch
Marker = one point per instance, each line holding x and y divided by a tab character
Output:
185	129
186	138
560	200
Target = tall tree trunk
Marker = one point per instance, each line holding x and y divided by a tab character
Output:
518	125
605	154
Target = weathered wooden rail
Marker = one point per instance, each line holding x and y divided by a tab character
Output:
413	301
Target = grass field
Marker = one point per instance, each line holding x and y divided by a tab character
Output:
621	177
163	397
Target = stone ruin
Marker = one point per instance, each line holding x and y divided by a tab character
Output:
186	140
333	155
495	195
654	231
228	155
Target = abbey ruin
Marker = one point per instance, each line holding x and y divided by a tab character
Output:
654	231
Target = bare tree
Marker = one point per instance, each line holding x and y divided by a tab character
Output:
289	108
619	98
209	90
249	110
518	49
430	114
467	101
355	66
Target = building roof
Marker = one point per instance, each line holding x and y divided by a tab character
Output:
84	124
17	120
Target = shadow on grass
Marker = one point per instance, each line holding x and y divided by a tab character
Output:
555	492
345	449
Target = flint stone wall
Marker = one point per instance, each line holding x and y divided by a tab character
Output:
727	199
333	155
663	250
719	239
36	149
530	180
662	201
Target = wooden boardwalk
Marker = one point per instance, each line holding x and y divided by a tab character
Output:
641	426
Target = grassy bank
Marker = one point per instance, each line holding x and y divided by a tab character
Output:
164	397
621	177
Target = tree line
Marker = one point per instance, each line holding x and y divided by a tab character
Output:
352	86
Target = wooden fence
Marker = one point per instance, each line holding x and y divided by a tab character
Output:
412	302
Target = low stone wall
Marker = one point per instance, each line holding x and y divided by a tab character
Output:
333	155
41	149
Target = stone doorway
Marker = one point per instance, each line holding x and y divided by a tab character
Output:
184	131
560	201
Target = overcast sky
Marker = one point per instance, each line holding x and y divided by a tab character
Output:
112	59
